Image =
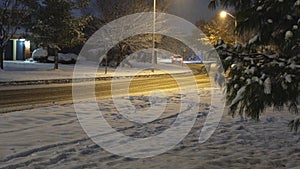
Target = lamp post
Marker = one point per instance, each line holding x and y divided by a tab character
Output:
153	36
106	58
183	58
224	14
105	63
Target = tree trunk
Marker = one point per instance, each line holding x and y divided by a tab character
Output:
1	58
55	58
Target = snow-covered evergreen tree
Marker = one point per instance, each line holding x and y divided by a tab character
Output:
265	71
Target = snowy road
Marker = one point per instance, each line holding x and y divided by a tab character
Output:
26	97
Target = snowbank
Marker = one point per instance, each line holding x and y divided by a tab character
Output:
39	53
64	58
30	71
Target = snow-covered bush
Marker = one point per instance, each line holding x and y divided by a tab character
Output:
64	58
40	54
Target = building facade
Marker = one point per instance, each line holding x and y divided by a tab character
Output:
17	49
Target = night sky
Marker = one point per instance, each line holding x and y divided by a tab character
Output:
193	10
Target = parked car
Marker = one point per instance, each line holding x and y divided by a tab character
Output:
177	59
194	59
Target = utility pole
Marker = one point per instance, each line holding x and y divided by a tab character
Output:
154	54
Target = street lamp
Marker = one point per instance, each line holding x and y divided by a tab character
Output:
106	58
224	14
183	58
153	36
105	64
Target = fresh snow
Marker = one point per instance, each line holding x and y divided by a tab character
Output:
39	53
288	35
259	8
295	27
267	86
294	66
288	78
270	21
51	137
289	17
28	71
254	39
64	57
239	96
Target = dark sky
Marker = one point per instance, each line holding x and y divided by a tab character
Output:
193	10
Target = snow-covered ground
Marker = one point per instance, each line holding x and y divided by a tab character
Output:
31	71
51	137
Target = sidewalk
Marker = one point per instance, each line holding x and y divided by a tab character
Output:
26	73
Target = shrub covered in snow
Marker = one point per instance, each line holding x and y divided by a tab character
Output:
64	58
40	54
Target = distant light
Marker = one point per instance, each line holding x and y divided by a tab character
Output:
223	14
27	44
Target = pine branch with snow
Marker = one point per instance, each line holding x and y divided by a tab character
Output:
266	71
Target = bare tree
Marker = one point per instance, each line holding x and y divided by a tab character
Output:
218	28
12	16
109	10
105	11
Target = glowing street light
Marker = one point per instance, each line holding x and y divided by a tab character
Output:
223	14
